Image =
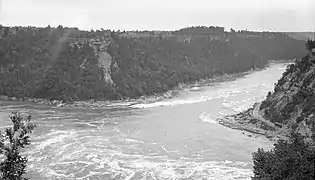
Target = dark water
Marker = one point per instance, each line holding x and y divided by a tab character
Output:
177	138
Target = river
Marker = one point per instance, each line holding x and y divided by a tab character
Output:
175	138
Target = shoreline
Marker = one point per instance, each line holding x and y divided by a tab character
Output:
63	103
157	97
32	100
246	121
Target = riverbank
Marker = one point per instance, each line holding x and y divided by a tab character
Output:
158	96
32	100
251	122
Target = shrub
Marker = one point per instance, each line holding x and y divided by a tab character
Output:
12	140
292	159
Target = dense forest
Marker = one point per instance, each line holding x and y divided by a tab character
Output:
64	63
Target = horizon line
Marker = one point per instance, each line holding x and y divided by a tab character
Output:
141	30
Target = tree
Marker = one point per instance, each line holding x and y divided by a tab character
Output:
60	29
11	143
310	44
232	31
6	31
292	159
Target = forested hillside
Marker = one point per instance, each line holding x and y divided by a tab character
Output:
69	64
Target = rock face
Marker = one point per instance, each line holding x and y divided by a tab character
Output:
104	62
292	104
100	49
104	59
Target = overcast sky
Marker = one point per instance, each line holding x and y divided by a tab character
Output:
272	15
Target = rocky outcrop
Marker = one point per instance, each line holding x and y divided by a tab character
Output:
104	59
100	49
248	122
104	62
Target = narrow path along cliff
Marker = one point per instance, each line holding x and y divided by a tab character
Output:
257	115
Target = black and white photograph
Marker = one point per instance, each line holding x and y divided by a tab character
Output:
157	89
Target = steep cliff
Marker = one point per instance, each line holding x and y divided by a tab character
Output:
292	103
290	107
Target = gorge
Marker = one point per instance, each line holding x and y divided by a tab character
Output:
152	105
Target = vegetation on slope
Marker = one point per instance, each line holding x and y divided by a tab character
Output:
60	63
291	159
34	64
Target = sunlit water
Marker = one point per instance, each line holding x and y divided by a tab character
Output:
176	138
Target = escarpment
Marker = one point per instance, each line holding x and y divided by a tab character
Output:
290	107
292	103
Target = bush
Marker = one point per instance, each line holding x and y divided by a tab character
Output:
292	159
11	142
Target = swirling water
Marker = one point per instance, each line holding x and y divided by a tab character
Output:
174	138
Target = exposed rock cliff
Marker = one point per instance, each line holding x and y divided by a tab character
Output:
100	50
104	61
291	106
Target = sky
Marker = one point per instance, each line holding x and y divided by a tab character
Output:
258	15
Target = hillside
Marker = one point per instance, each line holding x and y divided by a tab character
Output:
292	104
290	107
69	64
290	110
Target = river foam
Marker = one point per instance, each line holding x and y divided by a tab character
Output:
74	155
205	117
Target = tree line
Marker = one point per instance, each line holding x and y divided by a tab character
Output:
42	63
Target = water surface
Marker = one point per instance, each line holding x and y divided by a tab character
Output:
176	138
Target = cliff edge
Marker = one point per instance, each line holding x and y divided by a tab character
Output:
292	103
289	107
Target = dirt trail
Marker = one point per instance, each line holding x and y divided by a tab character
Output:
256	114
